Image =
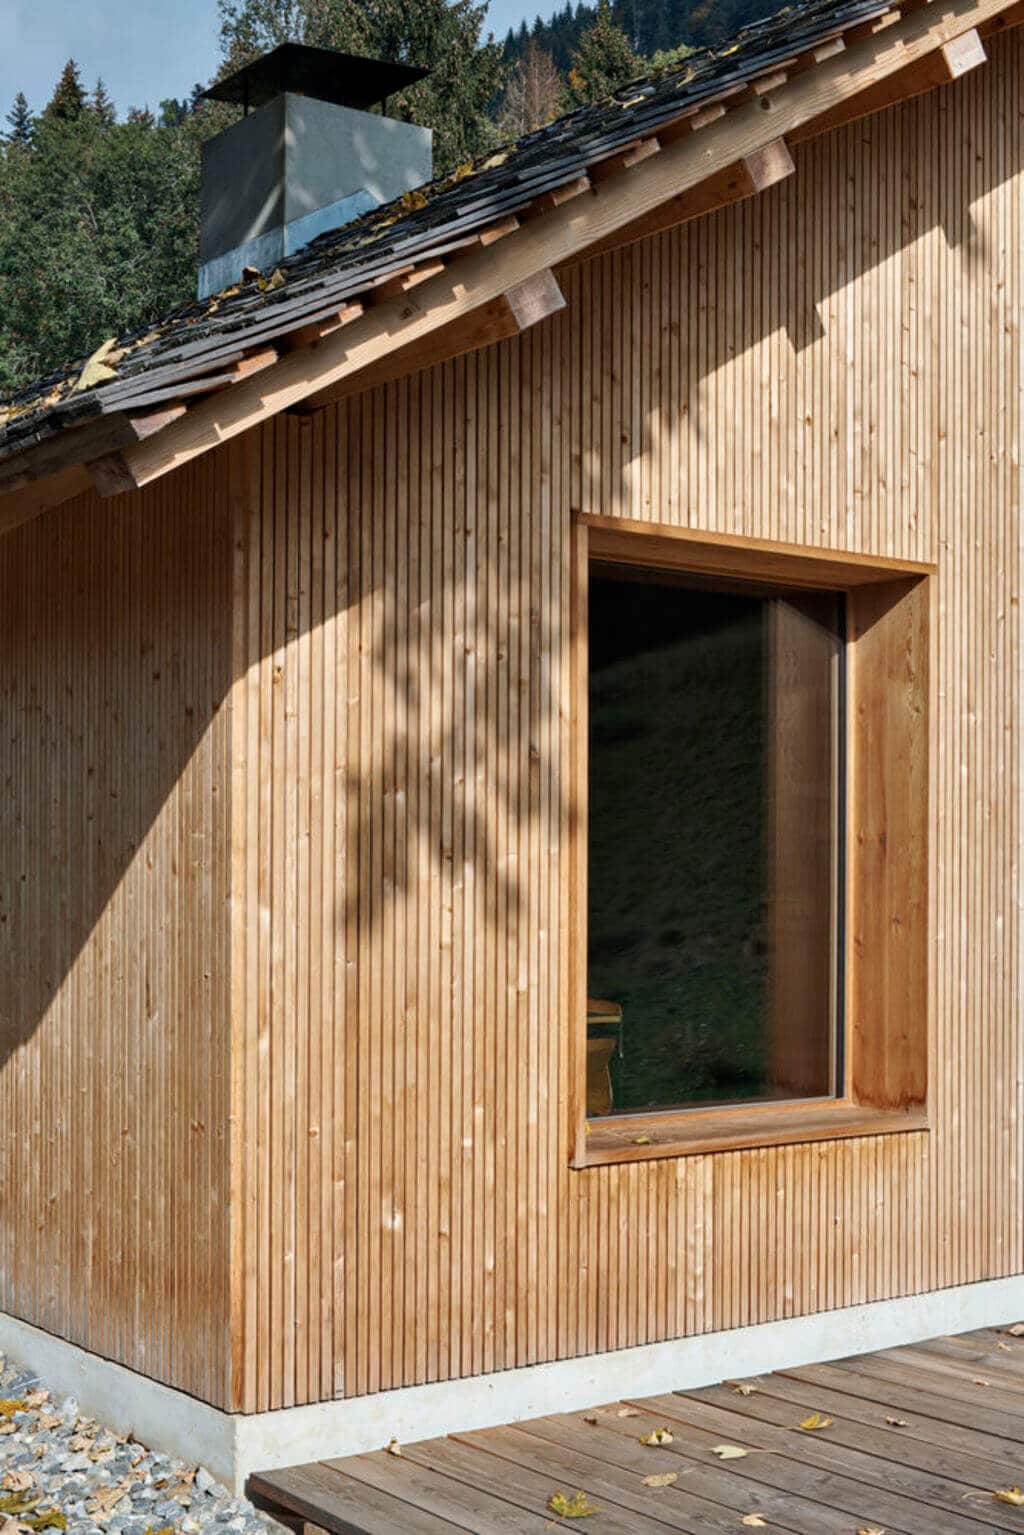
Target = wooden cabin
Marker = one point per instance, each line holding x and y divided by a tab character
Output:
511	741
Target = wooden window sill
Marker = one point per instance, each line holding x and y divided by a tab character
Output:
637	1138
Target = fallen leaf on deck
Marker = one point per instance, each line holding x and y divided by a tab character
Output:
590	1417
628	1412
814	1421
393	1447
1016	1331
18	1481
657	1436
1009	1495
979	1382
576	1507
870	1529
896	1422
1005	1348
641	1140
754	1520
663	1479
728	1451
741	1388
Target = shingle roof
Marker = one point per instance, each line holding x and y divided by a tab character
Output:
194	350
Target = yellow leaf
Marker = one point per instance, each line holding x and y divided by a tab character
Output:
1010	1495
657	1436
663	1479
754	1520
97	369
51	1520
896	1422
815	1420
17	1503
413	199
9	1405
870	1529
576	1507
393	1447
268	284
728	1451
641	1140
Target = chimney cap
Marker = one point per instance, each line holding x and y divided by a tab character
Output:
345	79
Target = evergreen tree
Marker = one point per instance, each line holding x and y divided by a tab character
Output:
534	94
101	106
444	36
68	100
20	120
602	61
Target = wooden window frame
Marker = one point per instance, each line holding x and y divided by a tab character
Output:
887	847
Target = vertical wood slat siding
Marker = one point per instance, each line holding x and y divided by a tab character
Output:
835	363
285	1044
114	975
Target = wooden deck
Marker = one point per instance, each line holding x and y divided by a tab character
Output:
919	1441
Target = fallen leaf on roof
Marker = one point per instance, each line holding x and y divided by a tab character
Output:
105	1499
495	160
413	199
815	1420
97	369
728	1451
18	1503
1009	1495
268	284
657	1436
393	1447
661	1479
9	1405
18	1481
576	1507
896	1422
462	171
754	1520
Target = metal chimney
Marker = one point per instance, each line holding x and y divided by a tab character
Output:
307	157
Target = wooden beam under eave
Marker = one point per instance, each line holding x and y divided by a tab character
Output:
955	58
475	279
20	506
754	173
505	316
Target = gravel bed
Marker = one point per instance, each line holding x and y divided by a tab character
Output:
60	1471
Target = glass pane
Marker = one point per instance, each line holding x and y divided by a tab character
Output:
713	830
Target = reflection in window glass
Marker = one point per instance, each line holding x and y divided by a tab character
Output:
714	828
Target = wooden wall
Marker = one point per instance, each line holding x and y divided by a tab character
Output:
114	982
349	861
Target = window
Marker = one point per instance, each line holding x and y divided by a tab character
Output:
752	765
715	807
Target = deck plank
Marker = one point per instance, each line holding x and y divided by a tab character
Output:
769	1424
934	1472
564	1463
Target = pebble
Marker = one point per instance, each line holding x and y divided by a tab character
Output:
69	1477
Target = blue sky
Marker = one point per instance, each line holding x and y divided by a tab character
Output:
145	50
